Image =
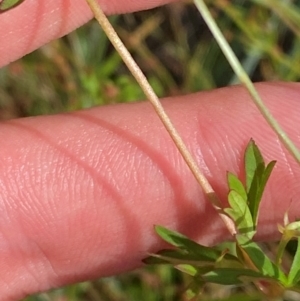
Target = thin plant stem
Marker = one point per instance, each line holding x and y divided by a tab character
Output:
150	94
245	80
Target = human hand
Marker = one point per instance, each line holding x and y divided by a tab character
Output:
80	192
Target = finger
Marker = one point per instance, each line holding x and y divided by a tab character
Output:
34	23
80	192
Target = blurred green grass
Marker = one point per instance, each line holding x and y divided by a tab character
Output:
178	54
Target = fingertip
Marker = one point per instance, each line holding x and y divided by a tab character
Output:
35	23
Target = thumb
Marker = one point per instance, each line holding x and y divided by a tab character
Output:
80	192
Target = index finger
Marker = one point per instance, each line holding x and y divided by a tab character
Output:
35	23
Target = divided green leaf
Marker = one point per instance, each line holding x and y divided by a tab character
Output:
257	175
184	243
236	184
253	159
244	201
222	265
232	276
178	256
189	252
187	269
240	213
262	262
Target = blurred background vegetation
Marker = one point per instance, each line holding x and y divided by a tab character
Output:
178	54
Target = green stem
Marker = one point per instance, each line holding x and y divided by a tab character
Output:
245	80
281	248
150	94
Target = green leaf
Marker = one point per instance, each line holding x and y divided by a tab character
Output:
180	241
253	159
257	176
156	259
187	269
8	4
257	188
294	274
240	213
176	257
182	255
230	276
235	184
262	262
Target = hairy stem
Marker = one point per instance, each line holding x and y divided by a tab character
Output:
150	94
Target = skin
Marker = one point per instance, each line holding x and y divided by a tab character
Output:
80	192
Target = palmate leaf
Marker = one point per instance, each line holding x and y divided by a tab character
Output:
8	4
214	265
244	201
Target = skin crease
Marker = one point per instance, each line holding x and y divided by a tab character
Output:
80	192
